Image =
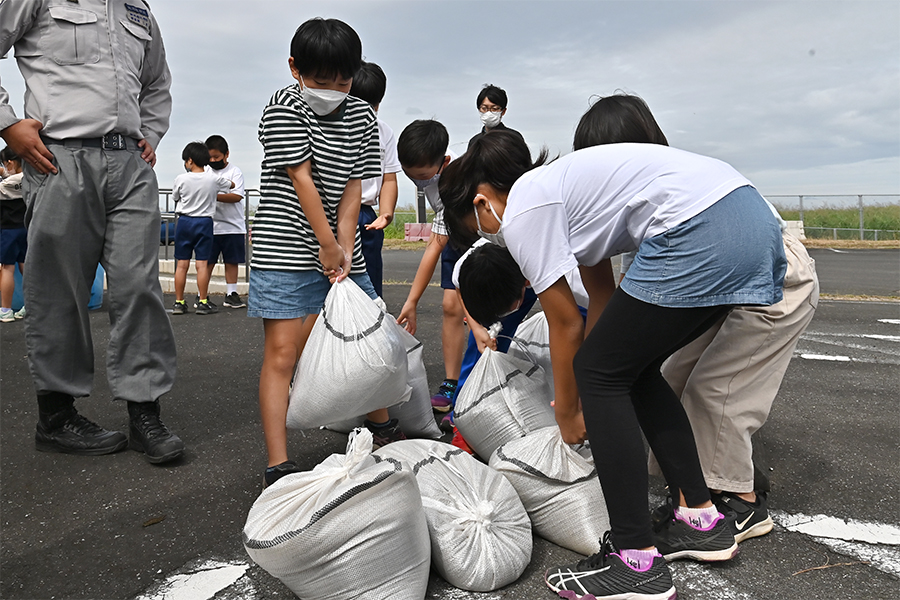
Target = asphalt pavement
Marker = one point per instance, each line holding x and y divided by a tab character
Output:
116	527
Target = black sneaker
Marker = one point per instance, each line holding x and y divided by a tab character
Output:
746	519
605	575
676	539
148	434
206	307
179	308
232	300
275	473
68	432
384	435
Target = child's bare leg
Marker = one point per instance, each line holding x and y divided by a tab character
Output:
181	269
231	273
7	285
284	342
203	272
379	416
453	334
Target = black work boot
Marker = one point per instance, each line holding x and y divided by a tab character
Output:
149	435
61	429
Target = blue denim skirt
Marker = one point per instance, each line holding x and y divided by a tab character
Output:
730	254
293	294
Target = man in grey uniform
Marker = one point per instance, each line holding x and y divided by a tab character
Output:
96	105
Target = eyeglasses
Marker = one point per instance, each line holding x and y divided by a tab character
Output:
494	109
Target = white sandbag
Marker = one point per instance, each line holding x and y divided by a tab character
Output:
559	487
354	362
480	533
415	416
503	399
353	527
531	342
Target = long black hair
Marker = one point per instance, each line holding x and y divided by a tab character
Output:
498	158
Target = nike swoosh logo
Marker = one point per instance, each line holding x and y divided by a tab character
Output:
740	526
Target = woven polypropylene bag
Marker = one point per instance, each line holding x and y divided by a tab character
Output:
415	416
559	487
532	342
503	399
353	527
354	362
480	533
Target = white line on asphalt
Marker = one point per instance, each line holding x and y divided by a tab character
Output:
874	336
202	583
883	558
890	321
839	251
703	582
839	529
825	357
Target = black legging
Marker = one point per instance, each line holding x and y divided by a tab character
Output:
623	392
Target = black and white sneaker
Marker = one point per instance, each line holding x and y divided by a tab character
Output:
606	576
676	539
746	519
232	300
179	308
206	307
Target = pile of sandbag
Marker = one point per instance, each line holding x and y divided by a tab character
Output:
354	362
532	342
353	527
503	399
415	416
480	533
558	486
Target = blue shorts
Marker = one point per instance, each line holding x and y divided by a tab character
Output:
449	256
731	253
193	235
293	294
13	244
230	246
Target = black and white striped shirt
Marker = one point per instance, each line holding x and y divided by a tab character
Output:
341	147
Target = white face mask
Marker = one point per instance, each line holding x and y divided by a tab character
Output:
322	102
494	238
490	119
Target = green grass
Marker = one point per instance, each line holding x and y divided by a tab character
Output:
874	217
395	231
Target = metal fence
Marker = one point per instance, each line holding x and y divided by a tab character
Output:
833	216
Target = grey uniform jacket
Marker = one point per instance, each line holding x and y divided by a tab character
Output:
90	67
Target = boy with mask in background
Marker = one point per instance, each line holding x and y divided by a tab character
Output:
229	224
491	103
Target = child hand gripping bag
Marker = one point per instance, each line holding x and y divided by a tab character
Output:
503	399
353	527
354	362
415	416
480	533
558	486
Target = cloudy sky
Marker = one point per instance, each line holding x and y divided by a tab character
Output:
801	97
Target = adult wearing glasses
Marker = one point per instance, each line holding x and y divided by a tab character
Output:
491	103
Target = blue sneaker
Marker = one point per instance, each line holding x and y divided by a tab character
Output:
442	401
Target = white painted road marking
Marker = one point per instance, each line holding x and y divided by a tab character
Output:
825	357
890	321
202	583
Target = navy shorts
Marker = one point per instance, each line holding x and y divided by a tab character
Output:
449	256
230	246
193	235
13	244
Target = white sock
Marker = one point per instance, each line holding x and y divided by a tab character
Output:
230	288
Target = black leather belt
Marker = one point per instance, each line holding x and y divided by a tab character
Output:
110	141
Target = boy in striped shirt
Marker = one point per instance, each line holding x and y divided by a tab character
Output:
319	143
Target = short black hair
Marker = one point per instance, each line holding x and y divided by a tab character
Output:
217	142
423	144
490	283
197	152
498	158
326	48
369	83
9	154
618	119
492	93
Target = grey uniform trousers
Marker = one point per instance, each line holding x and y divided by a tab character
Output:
728	377
102	207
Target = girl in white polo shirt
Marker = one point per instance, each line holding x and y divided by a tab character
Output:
705	241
